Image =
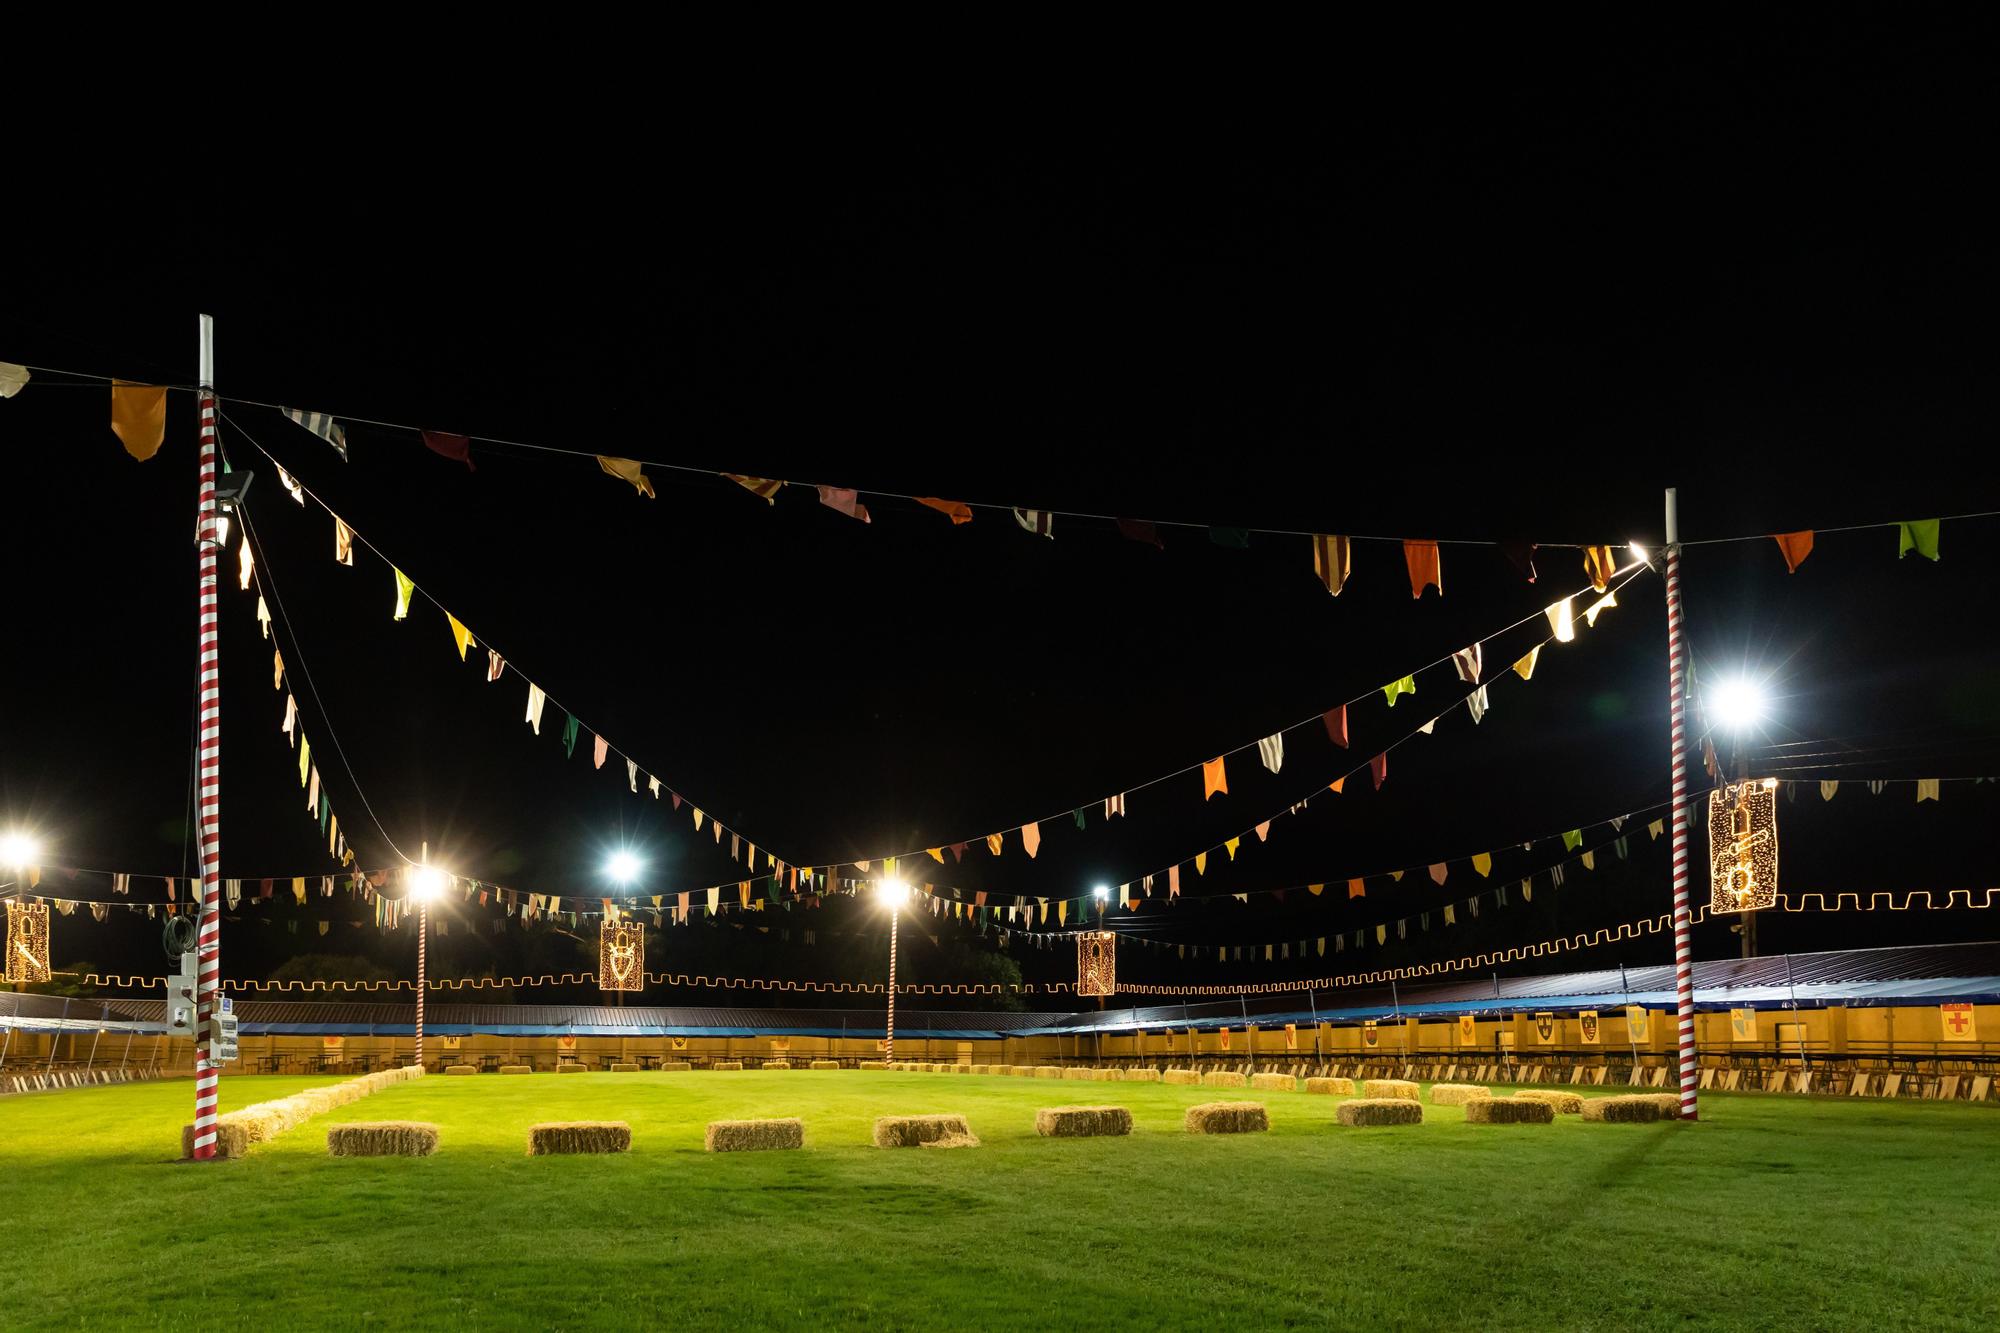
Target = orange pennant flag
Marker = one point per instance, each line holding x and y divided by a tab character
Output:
1356	889
764	488
1213	778
1422	558
1796	546
139	417
955	510
1335	785
1333	560
993	843
627	469
1600	564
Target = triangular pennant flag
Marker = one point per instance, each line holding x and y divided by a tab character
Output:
844	501
1138	530
292	488
1272	751
1438	872
535	701
1264	831
628	470
1422	558
322	425
1600	563
343	544
569	734
459	635
1919	535
458	448
263	617
1522	554
1041	522
1654	829
1573	839
1335	720
1927	789
1604	603
1562	619
1796	546
1201	863
1827	789
403	590
764	488
1114	805
1395	689
495	665
1031	838
1428	727
956	511
1378	767
599	750
1467	662
1333	560
246	564
1525	668
993	841
1214	778
1483	863
632	775
1476	703
139	417
12	378
1174	880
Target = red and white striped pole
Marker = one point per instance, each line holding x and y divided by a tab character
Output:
1677	706
423	927
889	1047
208	803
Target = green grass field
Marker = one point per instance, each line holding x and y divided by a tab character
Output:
1770	1213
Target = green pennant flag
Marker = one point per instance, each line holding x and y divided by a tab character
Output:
569	735
1573	839
1919	535
1397	688
1079	817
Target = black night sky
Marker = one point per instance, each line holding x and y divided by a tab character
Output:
1511	307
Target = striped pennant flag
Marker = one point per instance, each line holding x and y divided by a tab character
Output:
322	425
1041	522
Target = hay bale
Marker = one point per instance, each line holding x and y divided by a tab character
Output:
1082	1122
777	1064
230	1140
1628	1110
1222	1078
1508	1111
873	1064
460	1069
754	1135
959	1069
1380	1111
1274	1082
1076	1075
725	1064
517	1069
579	1136
1048	1071
1336	1087
1389	1088
1227	1118
382	1138
824	1064
624	1067
1181	1077
1566	1103
572	1067
1142	1076
675	1066
1457	1094
924	1131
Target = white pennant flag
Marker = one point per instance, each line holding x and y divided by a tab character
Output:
632	776
1272	750
1041	522
1476	702
535	701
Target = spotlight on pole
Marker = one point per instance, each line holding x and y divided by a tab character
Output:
428	884
19	849
623	867
1738	704
1101	892
892	892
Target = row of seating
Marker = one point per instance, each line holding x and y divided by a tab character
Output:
46	1081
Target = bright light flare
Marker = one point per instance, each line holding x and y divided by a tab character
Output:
1739	704
428	884
19	849
1101	892
894	892
624	867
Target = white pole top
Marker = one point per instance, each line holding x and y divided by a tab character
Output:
1673	517
207	379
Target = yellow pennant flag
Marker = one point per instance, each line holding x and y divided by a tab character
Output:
139	417
1525	668
626	469
1062	912
460	635
1231	847
404	587
1201	863
1483	863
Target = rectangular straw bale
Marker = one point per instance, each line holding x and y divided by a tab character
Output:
1181	1077
1142	1076
460	1069
960	1069
1274	1082
754	1135
230	1140
1380	1111
1076	1075
517	1069
1457	1094
675	1067
1337	1087
777	1064
924	1131
874	1064
1222	1078
1048	1071
1380	1088
824	1064
572	1067
1566	1103
1508	1111
1624	1110
579	1136
624	1067
382	1138
726	1064
1227	1118
1082	1122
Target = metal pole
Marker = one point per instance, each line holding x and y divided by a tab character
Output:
91	1062
208	808
889	1047
1677	712
423	928
56	1036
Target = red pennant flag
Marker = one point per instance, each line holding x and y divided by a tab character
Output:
1378	767
1523	556
1422	557
957	511
1335	719
458	448
1139	530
